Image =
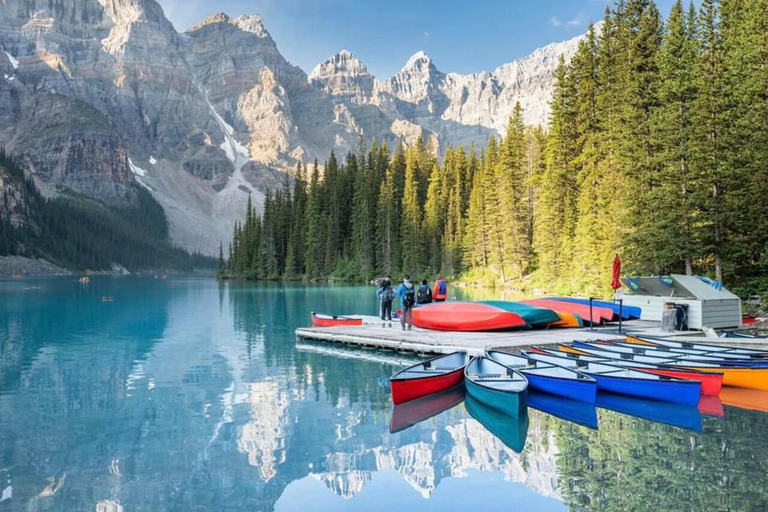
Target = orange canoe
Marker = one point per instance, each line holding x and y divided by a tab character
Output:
598	314
750	378
568	320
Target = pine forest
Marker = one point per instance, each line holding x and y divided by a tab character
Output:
656	150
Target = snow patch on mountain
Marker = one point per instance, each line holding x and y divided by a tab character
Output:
14	62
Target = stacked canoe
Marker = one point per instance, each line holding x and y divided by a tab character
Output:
506	315
500	315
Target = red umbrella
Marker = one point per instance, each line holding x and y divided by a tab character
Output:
616	283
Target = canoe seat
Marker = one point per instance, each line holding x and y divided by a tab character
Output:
444	368
488	376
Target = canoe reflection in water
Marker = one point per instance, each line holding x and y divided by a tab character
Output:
510	430
408	414
750	399
676	415
563	408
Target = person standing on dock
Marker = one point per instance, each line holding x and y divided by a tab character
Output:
425	293
386	295
441	290
406	292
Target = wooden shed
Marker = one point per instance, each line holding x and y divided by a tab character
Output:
708	306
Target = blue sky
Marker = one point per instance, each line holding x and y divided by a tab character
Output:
463	36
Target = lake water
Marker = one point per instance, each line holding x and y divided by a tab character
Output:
190	395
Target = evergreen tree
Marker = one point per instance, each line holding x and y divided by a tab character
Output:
410	234
675	129
710	119
315	252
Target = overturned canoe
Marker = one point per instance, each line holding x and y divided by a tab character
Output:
496	385
428	377
626	312
465	317
626	381
568	320
321	320
534	315
548	378
598	315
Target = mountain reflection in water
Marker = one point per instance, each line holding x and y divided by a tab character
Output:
188	394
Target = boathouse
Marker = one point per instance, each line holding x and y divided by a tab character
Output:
709	304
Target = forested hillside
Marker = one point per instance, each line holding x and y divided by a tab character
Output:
79	233
657	150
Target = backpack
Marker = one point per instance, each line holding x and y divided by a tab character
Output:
443	287
410	297
425	295
388	294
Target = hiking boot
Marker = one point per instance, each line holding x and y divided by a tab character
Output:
409	327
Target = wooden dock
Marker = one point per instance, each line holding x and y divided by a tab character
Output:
421	341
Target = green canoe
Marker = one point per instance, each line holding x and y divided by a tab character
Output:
531	314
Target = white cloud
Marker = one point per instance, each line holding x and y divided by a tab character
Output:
573	22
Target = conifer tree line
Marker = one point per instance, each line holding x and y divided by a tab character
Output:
79	233
656	149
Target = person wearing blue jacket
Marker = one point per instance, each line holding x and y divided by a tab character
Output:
406	292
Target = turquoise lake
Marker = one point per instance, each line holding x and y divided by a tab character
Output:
190	395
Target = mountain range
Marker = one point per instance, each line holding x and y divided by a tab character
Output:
101	96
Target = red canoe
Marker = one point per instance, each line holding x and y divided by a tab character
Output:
598	314
429	377
320	320
465	317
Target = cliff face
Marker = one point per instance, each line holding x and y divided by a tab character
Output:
97	94
12	200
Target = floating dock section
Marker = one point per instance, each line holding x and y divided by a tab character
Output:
422	341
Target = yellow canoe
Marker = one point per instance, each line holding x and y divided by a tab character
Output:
750	378
568	320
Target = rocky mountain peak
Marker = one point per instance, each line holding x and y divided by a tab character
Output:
344	75
252	23
419	61
341	63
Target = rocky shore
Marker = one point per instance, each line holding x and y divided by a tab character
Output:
18	265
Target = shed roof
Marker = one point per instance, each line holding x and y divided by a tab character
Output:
690	287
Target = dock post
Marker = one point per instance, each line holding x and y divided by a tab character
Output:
621	313
591	316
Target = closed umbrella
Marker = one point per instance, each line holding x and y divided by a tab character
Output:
616	283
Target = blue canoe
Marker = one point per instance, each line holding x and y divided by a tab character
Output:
627	312
496	385
673	354
549	378
625	381
568	410
685	417
510	430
